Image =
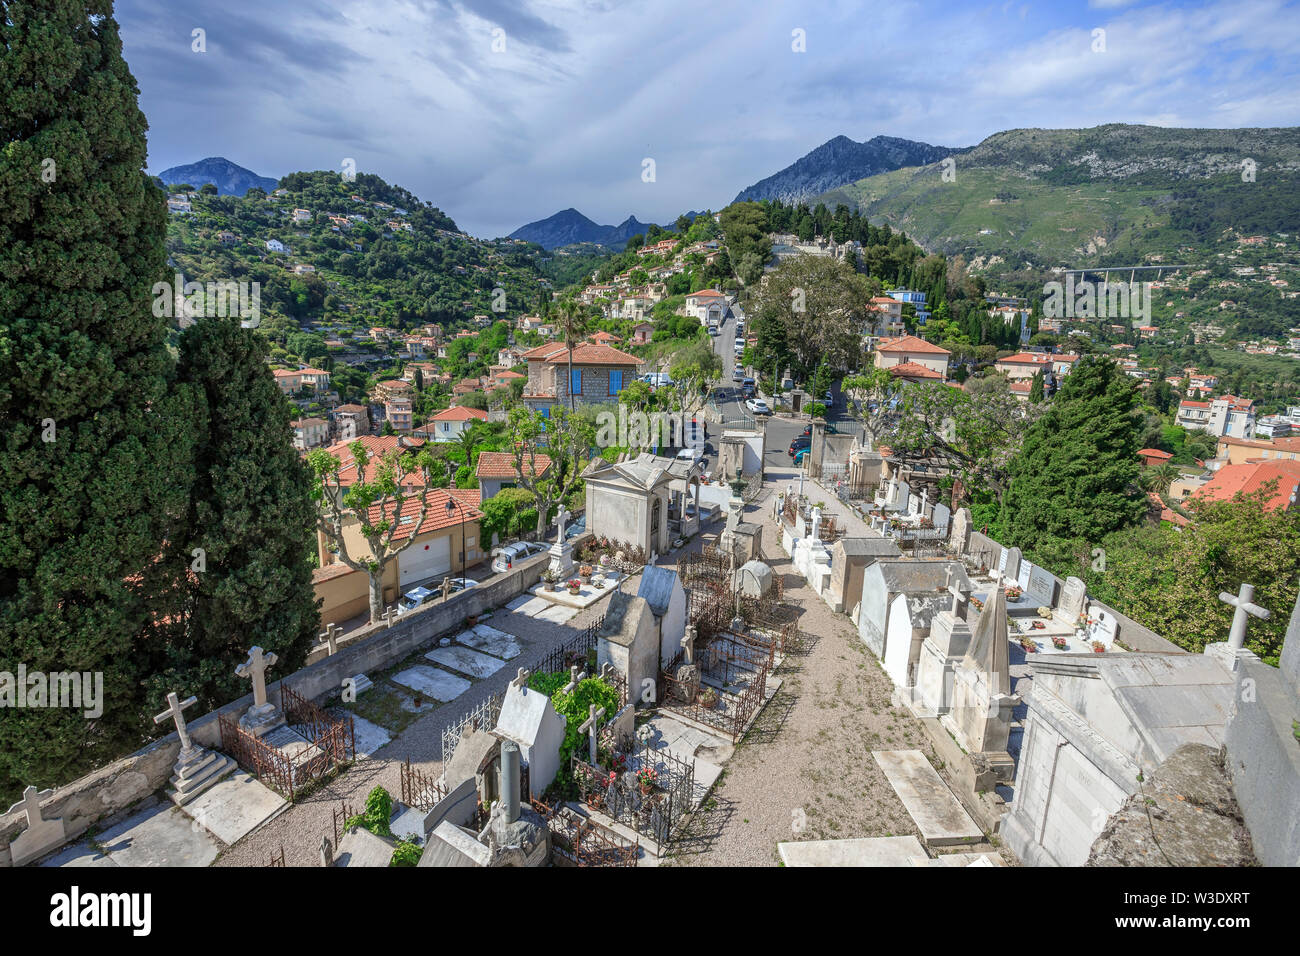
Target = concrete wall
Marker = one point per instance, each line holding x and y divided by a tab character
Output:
1263	762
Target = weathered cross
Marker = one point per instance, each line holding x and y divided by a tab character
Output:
958	595
560	519
574	677
591	728
255	667
521	678
1245	609
32	804
331	637
174	707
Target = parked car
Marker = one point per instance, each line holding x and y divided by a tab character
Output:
737	374
504	557
413	599
747	391
690	454
758	407
713	330
830	430
656	379
461	584
799	457
799	444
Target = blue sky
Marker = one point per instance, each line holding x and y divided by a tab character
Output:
585	90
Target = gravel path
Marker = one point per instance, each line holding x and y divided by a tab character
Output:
805	770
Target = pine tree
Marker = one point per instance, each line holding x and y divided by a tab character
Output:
1074	478
93	448
244	550
1036	388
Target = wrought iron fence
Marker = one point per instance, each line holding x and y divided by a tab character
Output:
584	842
656	810
482	715
330	743
725	712
420	790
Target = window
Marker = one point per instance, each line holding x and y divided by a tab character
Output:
615	381
575	382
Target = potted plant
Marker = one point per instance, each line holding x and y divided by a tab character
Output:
1098	647
1045	613
1014	593
708	698
585	572
574	586
648	779
548	579
1059	643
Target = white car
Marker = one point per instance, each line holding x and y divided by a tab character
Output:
758	406
413	599
690	454
504	557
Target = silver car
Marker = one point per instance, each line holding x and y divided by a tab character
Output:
504	557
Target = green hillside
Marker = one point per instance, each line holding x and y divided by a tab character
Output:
1110	195
364	273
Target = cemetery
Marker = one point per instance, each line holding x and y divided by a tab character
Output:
1030	711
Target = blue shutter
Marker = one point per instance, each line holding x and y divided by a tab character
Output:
615	381
575	382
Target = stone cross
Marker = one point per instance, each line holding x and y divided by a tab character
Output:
388	617
924	502
521	678
1245	609
32	804
591	729
255	667
331	637
574	677
174	707
688	644
816	524
958	595
560	519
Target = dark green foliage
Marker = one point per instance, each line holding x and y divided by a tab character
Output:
1075	475
252	516
82	363
378	812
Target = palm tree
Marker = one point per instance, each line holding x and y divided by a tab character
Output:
1158	478
573	318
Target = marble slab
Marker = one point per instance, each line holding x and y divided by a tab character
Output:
927	799
463	660
877	851
489	640
432	682
235	807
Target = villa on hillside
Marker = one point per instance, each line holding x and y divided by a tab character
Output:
599	374
914	351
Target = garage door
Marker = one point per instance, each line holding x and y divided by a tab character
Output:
424	560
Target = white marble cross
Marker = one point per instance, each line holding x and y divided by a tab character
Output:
521	678
1245	609
560	519
255	667
591	728
174	707
32	804
331	637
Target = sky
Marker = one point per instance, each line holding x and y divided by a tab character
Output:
501	112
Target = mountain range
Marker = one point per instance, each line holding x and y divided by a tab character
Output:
840	161
1110	194
230	178
569	227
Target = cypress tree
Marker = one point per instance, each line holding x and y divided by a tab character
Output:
1074	478
1036	389
93	445
244	550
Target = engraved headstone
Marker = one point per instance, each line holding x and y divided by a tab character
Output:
1073	596
1042	588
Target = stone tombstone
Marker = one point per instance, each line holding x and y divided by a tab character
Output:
1011	563
1073	596
960	536
914	504
1102	624
903	494
1022	576
1002	561
1041	589
941	518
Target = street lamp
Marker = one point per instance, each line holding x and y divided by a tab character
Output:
453	504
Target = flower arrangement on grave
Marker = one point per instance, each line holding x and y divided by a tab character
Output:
1098	647
585	572
1029	645
548	578
1014	593
1059	643
1038	625
1082	621
647	778
977	604
1045	613
708	698
574	585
